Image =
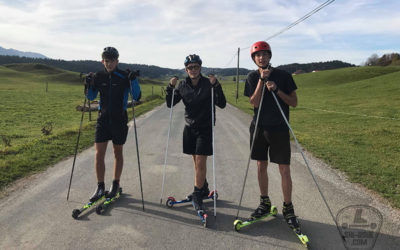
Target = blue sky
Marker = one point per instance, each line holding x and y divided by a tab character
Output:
162	33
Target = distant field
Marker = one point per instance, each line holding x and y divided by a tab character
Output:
26	107
350	118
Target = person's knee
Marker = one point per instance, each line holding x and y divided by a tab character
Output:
262	166
284	170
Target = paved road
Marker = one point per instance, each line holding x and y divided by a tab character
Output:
37	215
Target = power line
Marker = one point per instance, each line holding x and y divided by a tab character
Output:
299	20
230	61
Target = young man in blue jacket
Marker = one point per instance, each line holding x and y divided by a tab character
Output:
114	86
195	92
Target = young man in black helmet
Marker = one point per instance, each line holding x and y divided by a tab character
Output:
114	86
195	92
272	133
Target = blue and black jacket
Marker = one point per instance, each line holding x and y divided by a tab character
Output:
114	90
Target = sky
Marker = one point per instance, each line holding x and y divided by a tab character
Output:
164	32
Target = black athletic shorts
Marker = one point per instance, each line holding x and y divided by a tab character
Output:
277	142
117	131
197	141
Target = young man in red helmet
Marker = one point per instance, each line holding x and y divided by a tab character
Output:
272	133
114	86
195	92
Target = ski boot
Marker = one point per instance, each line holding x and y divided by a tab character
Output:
204	190
291	220
290	217
263	209
113	190
99	193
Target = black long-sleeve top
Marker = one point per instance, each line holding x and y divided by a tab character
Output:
197	100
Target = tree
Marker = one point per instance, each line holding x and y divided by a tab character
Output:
372	60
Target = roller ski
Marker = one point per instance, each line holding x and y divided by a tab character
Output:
291	220
171	201
110	197
98	197
197	202
264	210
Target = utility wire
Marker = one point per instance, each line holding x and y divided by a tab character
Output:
298	21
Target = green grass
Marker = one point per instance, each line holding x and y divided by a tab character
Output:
26	107
350	118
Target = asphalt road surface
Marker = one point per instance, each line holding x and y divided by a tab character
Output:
36	215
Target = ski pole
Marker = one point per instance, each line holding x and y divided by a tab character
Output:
213	146
166	148
76	147
308	167
137	147
251	147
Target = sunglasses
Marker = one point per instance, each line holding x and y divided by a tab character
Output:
194	67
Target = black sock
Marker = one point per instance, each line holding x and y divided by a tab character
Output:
115	182
101	184
286	205
196	189
264	197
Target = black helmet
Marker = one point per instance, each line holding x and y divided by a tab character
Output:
110	52
192	59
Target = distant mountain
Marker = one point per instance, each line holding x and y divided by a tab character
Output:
315	66
152	71
14	52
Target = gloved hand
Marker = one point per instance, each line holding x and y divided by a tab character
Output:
133	74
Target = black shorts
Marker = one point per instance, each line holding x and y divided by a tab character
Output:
278	143
117	131
197	141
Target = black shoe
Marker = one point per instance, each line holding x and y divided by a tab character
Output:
197	199
263	209
290	217
204	190
100	191
113	190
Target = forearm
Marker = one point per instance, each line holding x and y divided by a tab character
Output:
290	99
256	97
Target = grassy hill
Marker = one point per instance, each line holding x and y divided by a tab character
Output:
26	108
350	118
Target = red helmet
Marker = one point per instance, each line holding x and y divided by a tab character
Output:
259	46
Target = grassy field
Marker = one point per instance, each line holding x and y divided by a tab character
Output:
350	118
26	108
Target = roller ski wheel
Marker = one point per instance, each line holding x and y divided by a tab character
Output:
239	224
99	209
170	202
211	195
102	206
76	213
